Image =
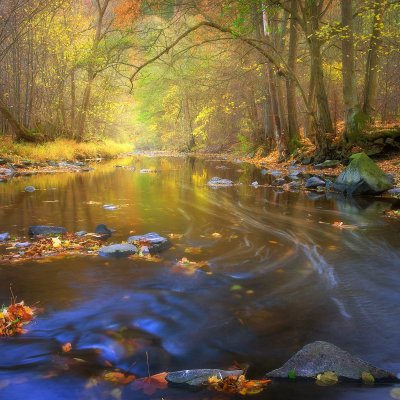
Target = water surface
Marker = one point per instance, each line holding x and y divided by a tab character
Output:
279	276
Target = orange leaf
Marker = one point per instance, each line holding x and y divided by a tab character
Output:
151	384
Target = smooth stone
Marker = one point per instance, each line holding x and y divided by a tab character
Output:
319	357
255	184
22	244
278	182
118	250
362	176
197	377
102	229
294	185
394	191
215	181
327	164
275	173
314	182
4	236
30	189
46	230
295	174
110	207
6	171
264	172
152	240
80	233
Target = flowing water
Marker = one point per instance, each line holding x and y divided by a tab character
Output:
279	276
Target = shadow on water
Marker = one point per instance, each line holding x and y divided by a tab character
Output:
279	275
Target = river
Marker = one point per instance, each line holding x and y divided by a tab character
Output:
279	276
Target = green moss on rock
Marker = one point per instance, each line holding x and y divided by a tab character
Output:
362	176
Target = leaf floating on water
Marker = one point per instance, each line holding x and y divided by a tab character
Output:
151	384
328	378
367	378
341	225
193	250
66	347
216	235
118	378
175	235
237	385
235	288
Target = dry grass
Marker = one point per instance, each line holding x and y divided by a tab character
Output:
67	150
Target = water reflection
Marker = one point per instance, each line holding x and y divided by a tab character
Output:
279	275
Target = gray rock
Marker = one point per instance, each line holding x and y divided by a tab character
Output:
362	176
152	240
30	189
110	207
6	171
314	182
394	191
22	244
294	185
46	230
264	172
319	357
295	174
278	182
102	229
255	184
215	181
4	236
118	250
80	233
275	173
197	377
327	164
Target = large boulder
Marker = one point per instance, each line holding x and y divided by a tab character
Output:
362	176
118	250
46	230
319	357
152	240
197	377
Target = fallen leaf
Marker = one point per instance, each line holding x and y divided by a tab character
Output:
151	384
328	378
237	384
66	347
118	378
216	235
367	378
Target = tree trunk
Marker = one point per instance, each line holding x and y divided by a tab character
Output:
354	118
371	72
293	124
324	122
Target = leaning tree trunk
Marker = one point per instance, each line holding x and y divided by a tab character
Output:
371	71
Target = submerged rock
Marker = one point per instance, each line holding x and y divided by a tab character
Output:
362	176
319	357
4	236
314	182
118	250
30	189
102	229
153	241
327	164
215	181
197	377
46	230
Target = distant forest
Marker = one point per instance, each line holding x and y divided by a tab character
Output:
194	75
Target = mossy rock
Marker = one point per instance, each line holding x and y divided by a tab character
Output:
362	176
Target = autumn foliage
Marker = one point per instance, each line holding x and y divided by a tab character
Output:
14	317
126	12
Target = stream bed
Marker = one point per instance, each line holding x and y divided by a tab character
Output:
279	275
